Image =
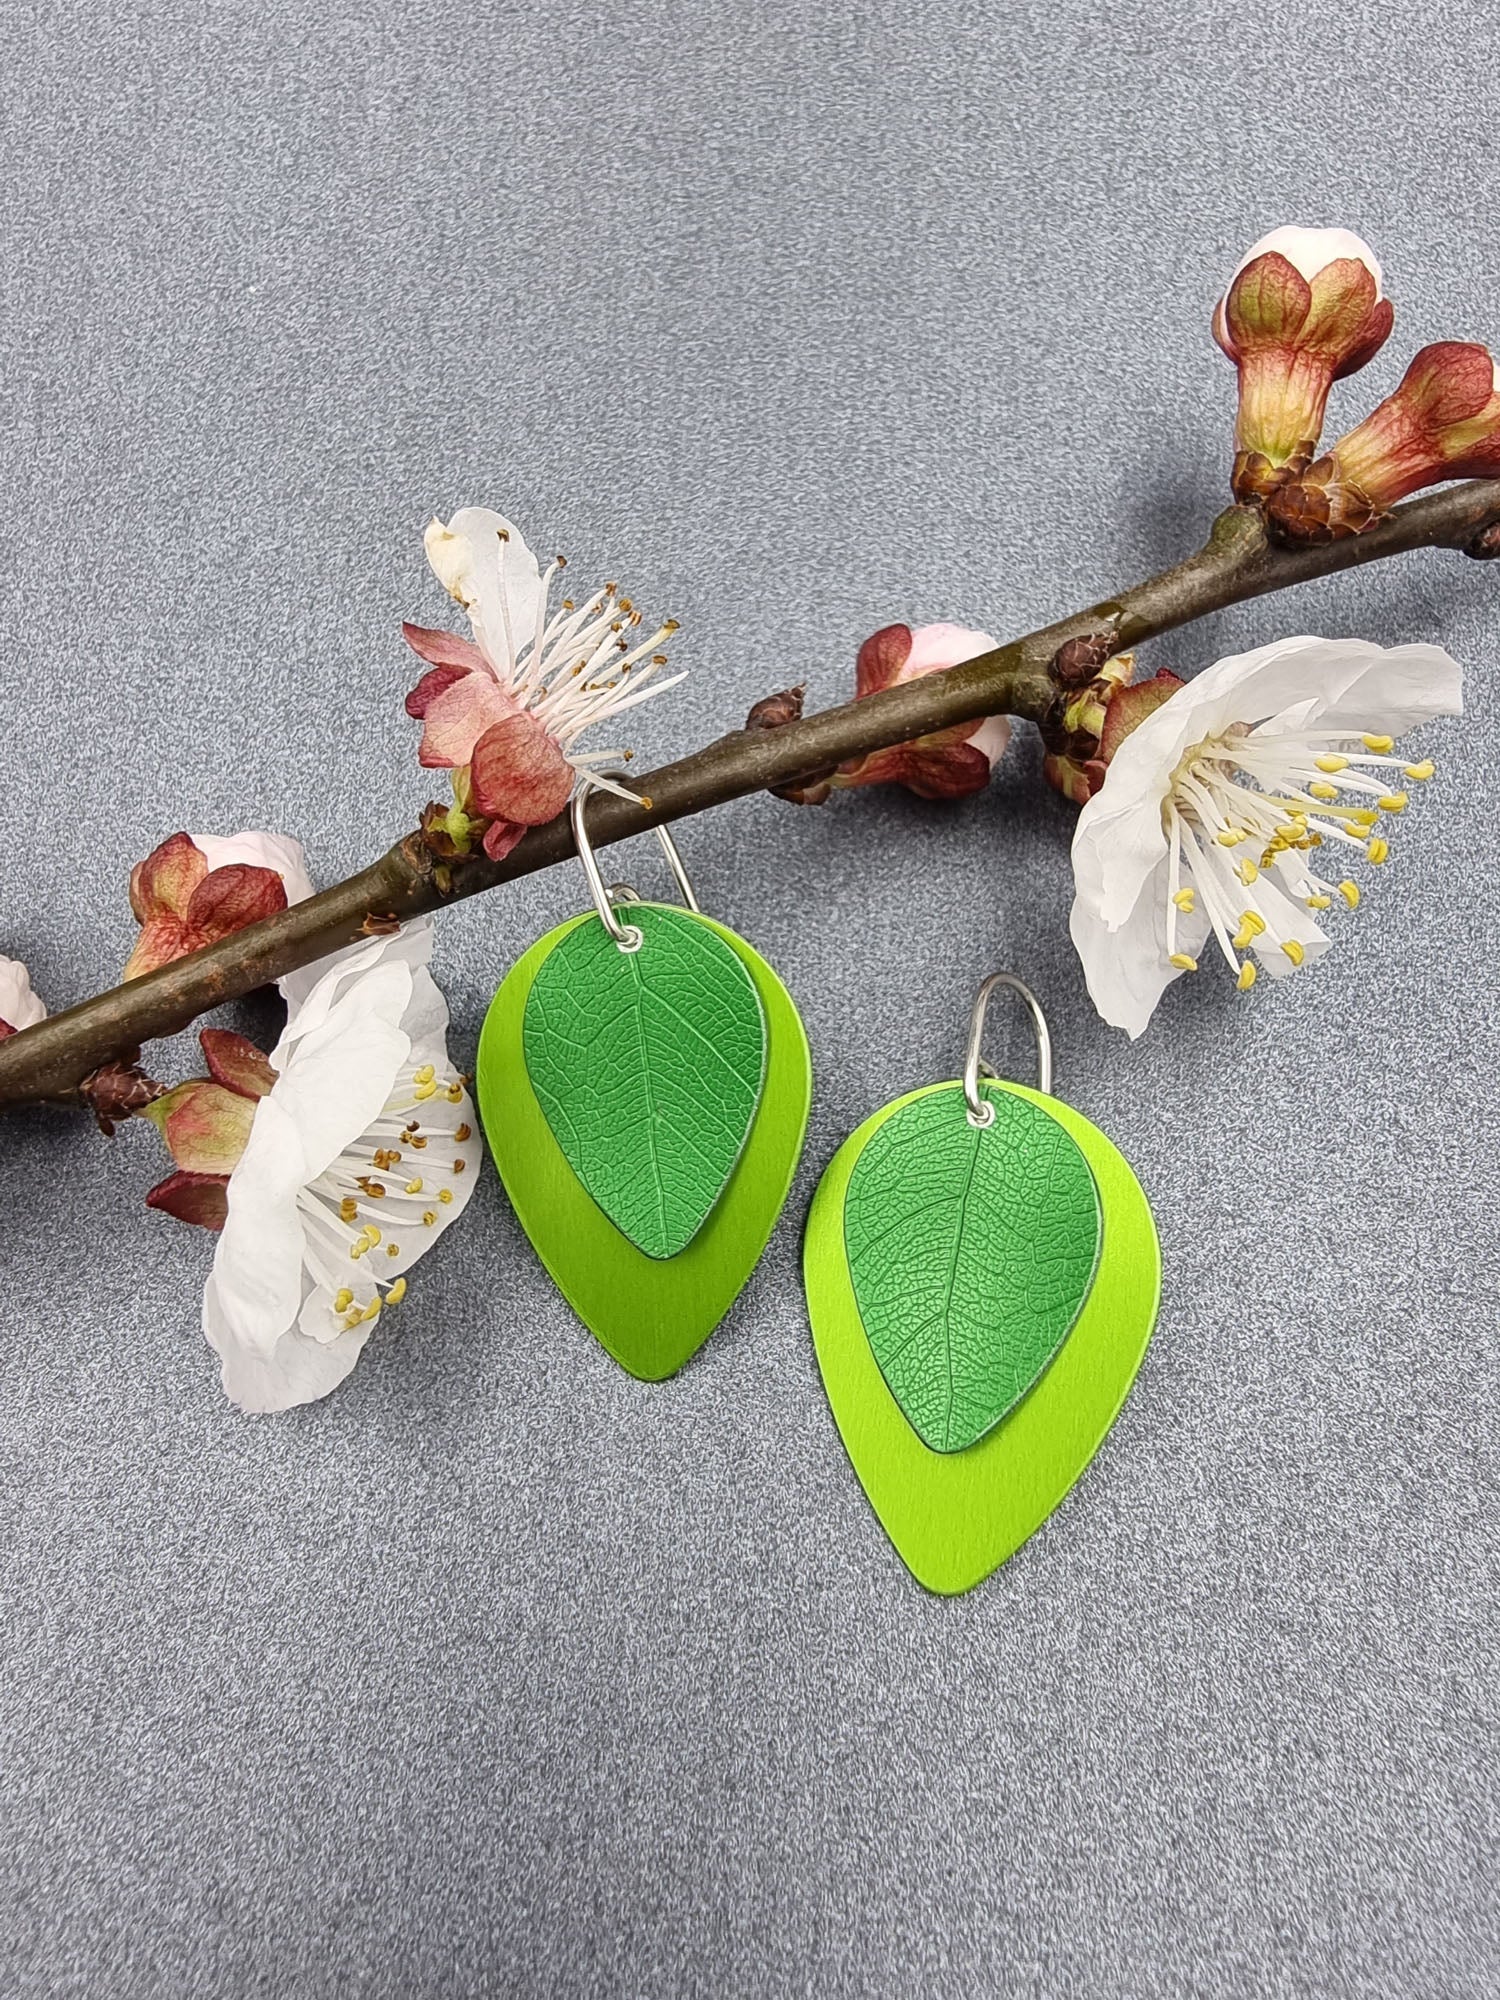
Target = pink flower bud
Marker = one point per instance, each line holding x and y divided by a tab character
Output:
1442	422
193	890
948	763
1303	309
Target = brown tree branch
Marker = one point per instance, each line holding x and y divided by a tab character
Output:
1237	562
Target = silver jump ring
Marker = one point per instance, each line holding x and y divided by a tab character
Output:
981	1112
628	937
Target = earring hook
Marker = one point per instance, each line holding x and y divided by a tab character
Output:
628	937
981	1112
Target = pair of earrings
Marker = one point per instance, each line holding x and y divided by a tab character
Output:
981	1265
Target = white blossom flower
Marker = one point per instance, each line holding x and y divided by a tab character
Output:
19	1006
329	1169
1214	809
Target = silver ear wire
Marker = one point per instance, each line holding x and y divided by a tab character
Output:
628	937
981	1112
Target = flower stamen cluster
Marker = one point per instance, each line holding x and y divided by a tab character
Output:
1256	800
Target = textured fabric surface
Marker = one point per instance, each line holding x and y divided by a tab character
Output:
501	1672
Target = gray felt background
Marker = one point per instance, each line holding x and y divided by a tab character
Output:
500	1672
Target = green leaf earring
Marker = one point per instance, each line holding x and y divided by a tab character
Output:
644	1087
982	1277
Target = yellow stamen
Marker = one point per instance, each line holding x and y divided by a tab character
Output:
358	1247
1247	872
1379	746
455	1093
1350	893
396	1293
372	1234
1421	772
393	1249
1247	977
1393	802
414	1187
1378	850
1183	963
422	1092
1184	899
1320	902
419	1143
1331	763
1321	790
464	1132
343	1300
1294	951
348	1208
445	1195
1229	836
374	1189
429	1216
423	1075
372	1308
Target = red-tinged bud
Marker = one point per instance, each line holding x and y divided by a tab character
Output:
206	1125
237	1063
945	764
199	1198
190	892
1083	734
1303	309
1442	422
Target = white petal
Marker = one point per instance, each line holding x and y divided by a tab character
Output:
1312	250
992	736
1395	690
18	1004
335	1078
497	581
1118	843
311	990
1127	968
935	647
277	851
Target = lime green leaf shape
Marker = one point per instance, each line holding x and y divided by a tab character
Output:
648	1065
651	1314
971	1249
955	1517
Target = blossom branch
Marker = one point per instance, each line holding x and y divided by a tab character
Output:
1025	677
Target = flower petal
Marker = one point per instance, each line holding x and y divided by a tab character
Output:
198	1198
258	849
237	1063
457	716
483	563
228	899
444	649
166	879
258	1286
163	938
19	1006
881	658
436	681
935	648
206	1127
1127	968
500	836
518	772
